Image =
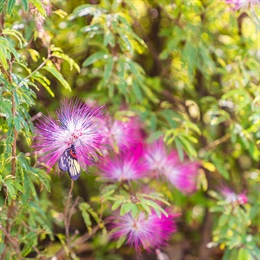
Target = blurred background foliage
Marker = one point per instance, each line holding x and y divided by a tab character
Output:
189	69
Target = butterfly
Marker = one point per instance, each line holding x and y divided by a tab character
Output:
68	162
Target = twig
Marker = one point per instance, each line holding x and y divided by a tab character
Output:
72	209
14	140
216	142
2	21
35	117
66	213
10	211
12	241
40	66
204	252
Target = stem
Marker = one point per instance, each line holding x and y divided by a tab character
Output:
10	213
216	142
15	139
67	216
2	21
204	252
40	66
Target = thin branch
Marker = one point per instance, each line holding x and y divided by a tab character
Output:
71	210
35	117
14	140
206	237
66	213
216	142
12	241
10	211
40	66
2	21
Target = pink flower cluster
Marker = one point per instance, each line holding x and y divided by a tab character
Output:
80	133
136	159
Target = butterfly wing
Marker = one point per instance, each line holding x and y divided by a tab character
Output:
68	163
73	168
63	161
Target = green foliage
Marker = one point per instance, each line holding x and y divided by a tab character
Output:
8	6
232	231
189	69
135	204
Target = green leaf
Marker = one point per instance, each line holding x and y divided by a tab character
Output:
94	214
16	34
128	44
44	178
125	208
35	55
23	162
109	38
91	28
25	5
29	240
220	165
87	9
107	194
149	93
44	81
155	206
137	91
39	6
27	190
3	60
155	197
120	241
179	149
83	208
17	123
2	3
135	210
10	189
223	220
58	76
6	107
145	207
108	68
7	46
95	57
243	254
116	204
65	57
10	6
191	151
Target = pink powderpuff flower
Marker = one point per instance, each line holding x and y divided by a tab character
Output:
231	197
125	134
72	138
237	4
147	232
155	156
182	175
126	166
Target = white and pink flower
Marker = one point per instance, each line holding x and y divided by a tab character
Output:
148	232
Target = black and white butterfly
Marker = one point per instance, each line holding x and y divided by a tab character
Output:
68	162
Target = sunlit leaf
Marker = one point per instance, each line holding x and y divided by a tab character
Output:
58	76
